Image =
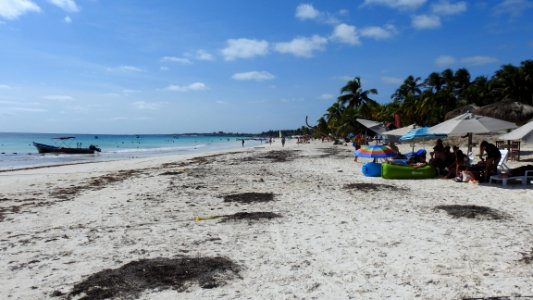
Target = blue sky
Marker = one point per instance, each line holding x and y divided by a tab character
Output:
137	66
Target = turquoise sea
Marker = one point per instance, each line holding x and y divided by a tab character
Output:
17	150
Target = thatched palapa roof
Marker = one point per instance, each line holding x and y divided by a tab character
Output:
508	110
461	110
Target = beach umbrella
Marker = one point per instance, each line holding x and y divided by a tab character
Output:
377	127
524	133
420	133
375	151
469	123
507	110
400	131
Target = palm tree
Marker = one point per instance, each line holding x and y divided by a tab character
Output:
353	95
434	82
409	88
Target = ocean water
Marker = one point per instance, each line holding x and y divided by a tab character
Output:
17	150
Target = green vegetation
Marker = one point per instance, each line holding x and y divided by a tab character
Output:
426	102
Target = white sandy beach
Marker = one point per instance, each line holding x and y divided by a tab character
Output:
59	225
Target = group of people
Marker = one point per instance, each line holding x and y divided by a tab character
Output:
455	164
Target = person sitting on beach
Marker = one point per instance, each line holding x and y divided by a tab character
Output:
418	159
421	163
491	161
393	146
438	149
458	165
442	159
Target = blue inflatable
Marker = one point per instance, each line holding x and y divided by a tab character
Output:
371	169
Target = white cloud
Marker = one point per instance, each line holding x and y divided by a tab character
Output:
425	21
67	20
67	5
446	8
143	105
302	46
124	69
478	60
196	86
221	102
25	109
12	9
4	87
244	48
345	34
254	75
445	61
513	7
164	69
204	55
379	33
178	60
306	11
400	4
391	80
326	97
60	98
344	78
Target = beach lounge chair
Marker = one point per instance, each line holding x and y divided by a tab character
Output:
503	170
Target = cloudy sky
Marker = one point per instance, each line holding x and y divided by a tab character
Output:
166	66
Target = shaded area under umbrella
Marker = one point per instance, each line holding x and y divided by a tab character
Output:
470	123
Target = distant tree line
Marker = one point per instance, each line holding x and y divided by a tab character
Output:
426	102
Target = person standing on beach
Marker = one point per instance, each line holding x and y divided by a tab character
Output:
283	142
243	142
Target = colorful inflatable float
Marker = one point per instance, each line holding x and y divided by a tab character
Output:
391	171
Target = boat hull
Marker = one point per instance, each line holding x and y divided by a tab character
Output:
42	148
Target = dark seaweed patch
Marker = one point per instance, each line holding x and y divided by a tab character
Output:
135	277
249	197
373	187
527	257
472	212
251	216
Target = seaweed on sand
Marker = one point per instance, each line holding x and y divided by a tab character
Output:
249	197
527	258
135	277
335	152
273	156
472	212
250	216
372	187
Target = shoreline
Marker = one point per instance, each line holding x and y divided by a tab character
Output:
339	234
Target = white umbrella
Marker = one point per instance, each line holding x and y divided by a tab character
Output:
400	131
470	123
377	127
524	133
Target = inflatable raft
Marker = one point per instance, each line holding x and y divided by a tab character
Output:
390	171
371	169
